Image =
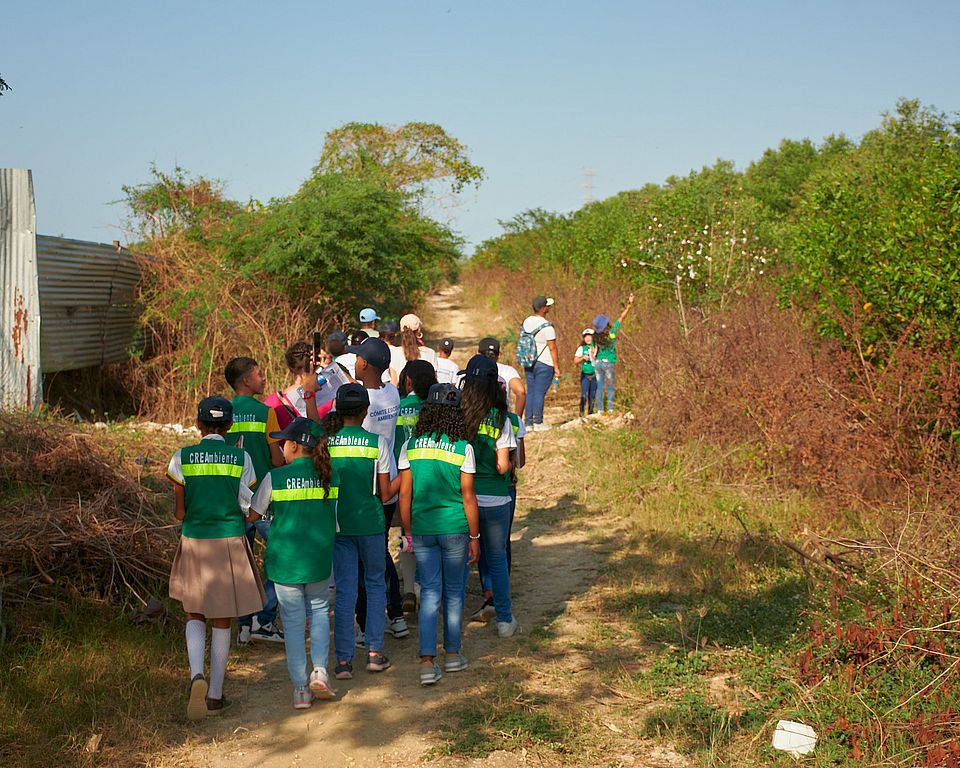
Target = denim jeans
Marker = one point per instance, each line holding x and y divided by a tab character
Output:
588	392
441	565
605	380
482	568
268	613
296	601
348	551
391	577
494	535
539	379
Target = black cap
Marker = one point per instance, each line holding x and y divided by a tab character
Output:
215	410
376	352
352	396
540	302
300	430
480	367
443	394
446	345
389	326
338	336
489	346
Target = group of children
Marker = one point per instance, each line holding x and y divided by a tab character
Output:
597	358
323	486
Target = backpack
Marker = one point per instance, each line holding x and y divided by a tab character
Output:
527	346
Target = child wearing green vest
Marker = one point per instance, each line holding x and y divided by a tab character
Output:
213	573
586	357
303	497
438	508
415	380
253	422
363	462
484	406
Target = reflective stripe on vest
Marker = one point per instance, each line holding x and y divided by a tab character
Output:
489	430
303	494
437	454
353	452
206	470
249	426
407	421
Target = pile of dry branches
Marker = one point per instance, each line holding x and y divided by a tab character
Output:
70	520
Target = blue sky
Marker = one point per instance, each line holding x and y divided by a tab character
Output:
637	91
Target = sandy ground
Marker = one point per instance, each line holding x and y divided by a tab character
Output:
389	718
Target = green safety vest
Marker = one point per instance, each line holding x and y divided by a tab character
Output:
435	465
487	481
304	523
211	482
354	453
609	354
250	423
409	415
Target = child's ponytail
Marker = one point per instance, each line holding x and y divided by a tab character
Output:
332	423
321	462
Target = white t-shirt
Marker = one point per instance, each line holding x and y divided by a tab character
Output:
447	370
469	461
382	417
509	441
541	337
508	373
348	361
398	360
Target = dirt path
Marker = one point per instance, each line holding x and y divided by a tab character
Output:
389	718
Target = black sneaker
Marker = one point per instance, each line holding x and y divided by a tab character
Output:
216	706
343	670
266	633
377	661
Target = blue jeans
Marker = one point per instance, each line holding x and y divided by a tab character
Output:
441	566
605	380
494	535
295	601
588	391
482	568
347	552
539	379
269	612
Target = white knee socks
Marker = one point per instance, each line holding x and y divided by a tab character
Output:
219	650
196	646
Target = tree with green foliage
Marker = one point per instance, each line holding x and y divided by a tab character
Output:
408	157
877	235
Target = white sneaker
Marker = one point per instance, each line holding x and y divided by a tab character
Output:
243	637
508	628
320	684
361	639
542	427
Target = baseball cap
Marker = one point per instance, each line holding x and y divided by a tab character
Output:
338	336
480	367
368	315
411	322
376	352
600	322
588	330
388	326
540	302
215	410
300	430
489	346
352	396
443	394
446	345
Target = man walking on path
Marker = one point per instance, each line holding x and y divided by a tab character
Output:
546	365
516	394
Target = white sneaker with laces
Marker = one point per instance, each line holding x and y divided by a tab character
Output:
302	697
508	628
320	684
361	639
243	636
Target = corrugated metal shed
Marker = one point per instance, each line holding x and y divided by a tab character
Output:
20	377
87	293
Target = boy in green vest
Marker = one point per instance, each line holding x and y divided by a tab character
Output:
252	424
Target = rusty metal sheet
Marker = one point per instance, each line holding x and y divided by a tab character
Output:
87	293
21	380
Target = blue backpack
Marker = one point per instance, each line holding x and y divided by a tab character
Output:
527	346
